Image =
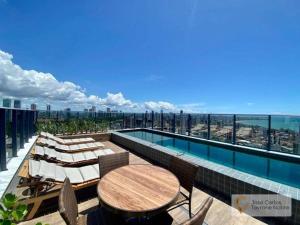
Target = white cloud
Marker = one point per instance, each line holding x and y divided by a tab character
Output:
117	100
250	103
160	105
42	88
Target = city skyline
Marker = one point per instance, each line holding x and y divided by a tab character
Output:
210	57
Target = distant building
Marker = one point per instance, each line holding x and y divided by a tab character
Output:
17	104
85	110
93	109
68	109
48	107
33	107
108	110
7	102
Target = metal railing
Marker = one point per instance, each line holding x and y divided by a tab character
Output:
269	132
17	126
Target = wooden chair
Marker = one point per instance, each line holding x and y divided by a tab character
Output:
198	218
68	209
111	162
186	173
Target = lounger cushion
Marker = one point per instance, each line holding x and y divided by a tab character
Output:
39	150
89	155
77	157
47	170
74	175
60	174
89	173
65	157
34	168
50	153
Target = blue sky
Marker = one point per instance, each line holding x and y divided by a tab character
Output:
209	56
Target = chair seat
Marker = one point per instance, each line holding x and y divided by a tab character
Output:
181	198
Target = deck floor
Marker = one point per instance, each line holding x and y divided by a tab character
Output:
220	213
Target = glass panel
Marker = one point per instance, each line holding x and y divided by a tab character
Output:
139	120
252	131
181	124
116	121
199	125
168	121
221	128
285	134
8	134
157	121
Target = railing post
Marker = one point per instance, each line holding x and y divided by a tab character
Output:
146	119
189	124
109	118
152	120
22	128
208	126
14	133
134	120
234	130
174	123
26	126
269	132
161	120
2	140
123	117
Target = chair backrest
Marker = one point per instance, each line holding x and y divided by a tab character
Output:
112	161
199	217
67	203
185	172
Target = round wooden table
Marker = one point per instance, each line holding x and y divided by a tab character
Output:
138	190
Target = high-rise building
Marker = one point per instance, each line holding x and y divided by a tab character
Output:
33	106
7	102
68	109
17	104
85	110
93	109
48	107
108	110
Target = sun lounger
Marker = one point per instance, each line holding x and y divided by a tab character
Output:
53	172
69	159
69	148
66	141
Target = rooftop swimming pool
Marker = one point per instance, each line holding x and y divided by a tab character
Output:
274	169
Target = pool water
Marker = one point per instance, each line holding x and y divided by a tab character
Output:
273	169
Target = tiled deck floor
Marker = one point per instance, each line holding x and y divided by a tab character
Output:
219	214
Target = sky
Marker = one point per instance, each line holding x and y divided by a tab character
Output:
230	56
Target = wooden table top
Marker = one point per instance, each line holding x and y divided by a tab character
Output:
138	189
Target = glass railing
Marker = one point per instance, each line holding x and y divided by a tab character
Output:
272	133
17	126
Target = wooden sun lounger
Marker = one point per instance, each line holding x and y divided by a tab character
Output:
67	141
69	159
39	197
69	148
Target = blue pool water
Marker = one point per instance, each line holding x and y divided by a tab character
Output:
273	169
